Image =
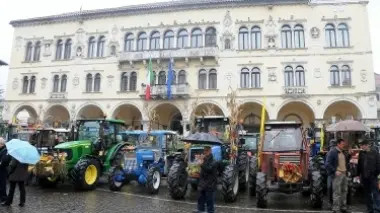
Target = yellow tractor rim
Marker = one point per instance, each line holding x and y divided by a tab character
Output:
91	174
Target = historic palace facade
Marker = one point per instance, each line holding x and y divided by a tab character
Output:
312	60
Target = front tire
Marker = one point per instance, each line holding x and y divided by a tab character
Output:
85	174
252	175
230	183
261	190
154	180
243	164
316	195
113	184
177	180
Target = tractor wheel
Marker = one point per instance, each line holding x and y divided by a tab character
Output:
85	174
252	176
48	182
153	180
177	180
261	190
243	163
230	183
113	184
194	186
118	160
317	163
316	196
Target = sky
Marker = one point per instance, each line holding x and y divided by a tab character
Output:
19	9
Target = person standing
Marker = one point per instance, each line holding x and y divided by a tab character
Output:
4	162
18	174
207	182
337	163
369	171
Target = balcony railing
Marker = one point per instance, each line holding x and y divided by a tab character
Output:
178	91
58	96
295	91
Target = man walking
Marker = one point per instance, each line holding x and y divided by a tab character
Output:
369	171
337	163
207	182
4	162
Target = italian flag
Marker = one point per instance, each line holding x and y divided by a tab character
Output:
149	79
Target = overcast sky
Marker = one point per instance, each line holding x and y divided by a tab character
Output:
18	9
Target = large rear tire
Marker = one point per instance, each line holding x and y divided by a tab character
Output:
85	174
316	195
113	184
261	190
252	175
177	180
154	180
230	183
243	163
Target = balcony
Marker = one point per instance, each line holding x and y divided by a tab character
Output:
295	92
58	97
159	92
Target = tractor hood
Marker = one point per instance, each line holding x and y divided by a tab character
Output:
72	144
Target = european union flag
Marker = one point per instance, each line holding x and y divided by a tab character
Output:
170	80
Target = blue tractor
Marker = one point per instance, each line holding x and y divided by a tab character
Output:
146	162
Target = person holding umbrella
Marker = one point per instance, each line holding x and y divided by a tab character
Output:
4	162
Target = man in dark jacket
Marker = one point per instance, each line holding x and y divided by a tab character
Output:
18	174
4	162
207	182
369	171
337	164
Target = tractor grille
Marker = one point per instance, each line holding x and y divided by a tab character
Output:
290	159
130	164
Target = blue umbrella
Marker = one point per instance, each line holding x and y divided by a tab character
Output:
23	151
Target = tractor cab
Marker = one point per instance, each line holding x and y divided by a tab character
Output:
215	125
46	138
249	142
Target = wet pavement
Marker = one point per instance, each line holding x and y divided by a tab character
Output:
135	199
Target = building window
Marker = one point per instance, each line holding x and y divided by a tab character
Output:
244	78
91	47
169	40
299	36
154	81
32	86
289	76
155	41
243	38
212	79
256	78
182	77
68	44
210	37
256	37
124	82
89	80
29	51
346	75
129	42
202	79
334	76
25	84
182	39
59	51
286	36
250	78
101	45
377	97
300	76
162	78
133	82
97	82
63	83
37	51
196	38
330	35
141	41
343	35
55	83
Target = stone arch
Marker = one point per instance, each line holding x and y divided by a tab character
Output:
130	113
300	111
29	114
57	116
169	116
250	115
342	109
205	107
90	111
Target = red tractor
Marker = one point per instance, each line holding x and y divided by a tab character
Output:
282	165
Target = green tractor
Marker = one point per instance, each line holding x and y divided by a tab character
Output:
97	145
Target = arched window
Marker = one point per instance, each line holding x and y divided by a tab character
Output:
162	78
210	37
169	39
243	38
155	40
343	35
91	47
182	39
182	77
256	37
68	44
25	84
330	35
29	51
59	50
256	78
299	36
212	79
244	78
97	82
63	83
141	41
346	75
133	82
334	76
196	38
89	80
289	76
252	119
101	45
286	36
55	83
300	76
32	87
37	51
124	82
202	79
129	42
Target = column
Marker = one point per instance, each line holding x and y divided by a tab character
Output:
145	124
184	124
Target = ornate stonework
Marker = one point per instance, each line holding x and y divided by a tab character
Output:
271	34
43	83
315	32
15	83
227	38
75	81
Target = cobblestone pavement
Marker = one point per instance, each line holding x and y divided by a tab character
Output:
134	199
